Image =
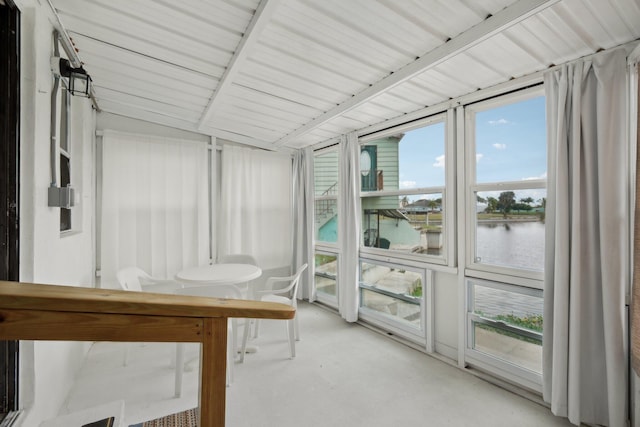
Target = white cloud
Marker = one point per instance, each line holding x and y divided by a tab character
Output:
439	162
543	176
408	184
479	156
499	146
499	122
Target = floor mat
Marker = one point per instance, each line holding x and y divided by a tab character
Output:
187	418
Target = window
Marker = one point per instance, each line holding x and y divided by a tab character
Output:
395	295
507	191
505	327
394	292
64	150
506	198
325	172
326	274
403	191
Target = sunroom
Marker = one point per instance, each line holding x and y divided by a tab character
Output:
459	175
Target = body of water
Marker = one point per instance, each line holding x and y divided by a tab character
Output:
511	244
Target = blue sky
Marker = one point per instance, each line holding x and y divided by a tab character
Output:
511	142
510	146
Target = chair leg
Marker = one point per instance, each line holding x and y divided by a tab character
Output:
296	325
125	357
292	343
231	352
245	337
179	369
257	329
234	336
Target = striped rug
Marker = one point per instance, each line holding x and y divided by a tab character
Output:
187	418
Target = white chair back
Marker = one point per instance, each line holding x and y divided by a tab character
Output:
238	259
129	278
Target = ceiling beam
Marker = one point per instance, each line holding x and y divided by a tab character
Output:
261	18
491	26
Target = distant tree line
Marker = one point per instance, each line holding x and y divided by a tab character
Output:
506	203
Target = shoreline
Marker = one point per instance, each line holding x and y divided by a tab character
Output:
499	220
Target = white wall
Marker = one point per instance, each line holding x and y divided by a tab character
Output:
47	369
446	314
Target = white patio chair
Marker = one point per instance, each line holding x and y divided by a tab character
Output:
238	259
137	280
213	291
285	295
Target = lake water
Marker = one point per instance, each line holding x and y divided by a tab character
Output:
512	244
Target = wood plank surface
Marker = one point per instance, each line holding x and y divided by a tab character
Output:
71	326
28	296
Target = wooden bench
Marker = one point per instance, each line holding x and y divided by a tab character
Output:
48	312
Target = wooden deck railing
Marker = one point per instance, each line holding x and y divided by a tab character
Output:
48	312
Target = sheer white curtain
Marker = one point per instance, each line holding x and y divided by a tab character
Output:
585	350
255	207
303	217
155	200
349	226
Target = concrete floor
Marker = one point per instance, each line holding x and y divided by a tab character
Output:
343	375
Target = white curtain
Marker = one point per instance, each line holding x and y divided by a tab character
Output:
256	205
303	220
155	211
587	268
349	226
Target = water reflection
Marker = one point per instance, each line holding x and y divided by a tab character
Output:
511	244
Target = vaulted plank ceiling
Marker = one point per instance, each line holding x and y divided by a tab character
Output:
293	73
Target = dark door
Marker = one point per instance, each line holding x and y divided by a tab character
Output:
9	186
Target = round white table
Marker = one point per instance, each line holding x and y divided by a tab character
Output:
219	274
222	274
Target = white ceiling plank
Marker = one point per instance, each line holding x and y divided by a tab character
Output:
96	54
261	84
261	18
502	20
113	108
145	38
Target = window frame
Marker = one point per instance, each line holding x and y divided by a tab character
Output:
325	298
332	247
424	335
447	191
64	151
328	248
492	363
